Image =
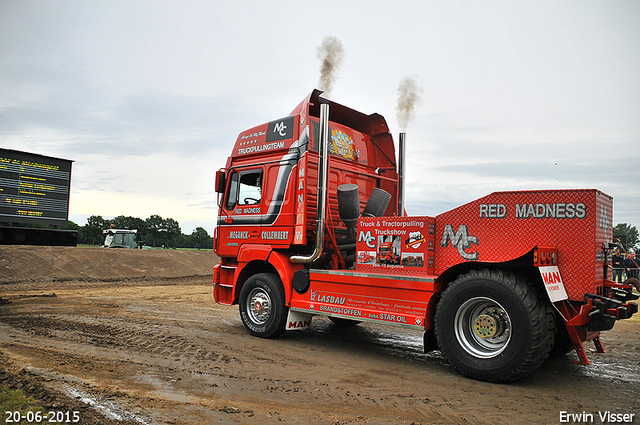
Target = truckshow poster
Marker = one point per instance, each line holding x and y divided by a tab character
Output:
396	242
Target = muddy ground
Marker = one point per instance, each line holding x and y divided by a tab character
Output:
134	336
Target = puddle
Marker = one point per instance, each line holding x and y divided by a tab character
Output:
408	342
104	406
164	388
610	369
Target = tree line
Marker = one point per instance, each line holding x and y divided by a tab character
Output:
155	232
627	235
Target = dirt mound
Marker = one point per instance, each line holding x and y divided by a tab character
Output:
31	263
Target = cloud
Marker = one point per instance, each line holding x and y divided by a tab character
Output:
148	97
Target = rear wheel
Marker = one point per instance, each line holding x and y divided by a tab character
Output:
262	308
491	325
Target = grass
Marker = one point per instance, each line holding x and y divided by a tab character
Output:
16	401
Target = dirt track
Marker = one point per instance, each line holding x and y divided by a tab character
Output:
136	335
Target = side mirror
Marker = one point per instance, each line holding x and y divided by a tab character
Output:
220	181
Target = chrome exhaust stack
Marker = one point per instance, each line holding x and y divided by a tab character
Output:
401	171
323	171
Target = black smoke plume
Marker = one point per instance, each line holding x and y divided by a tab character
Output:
330	53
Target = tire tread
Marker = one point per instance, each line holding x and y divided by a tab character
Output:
541	321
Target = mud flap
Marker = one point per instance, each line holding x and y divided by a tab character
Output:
297	320
553	283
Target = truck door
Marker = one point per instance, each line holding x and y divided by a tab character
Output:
241	220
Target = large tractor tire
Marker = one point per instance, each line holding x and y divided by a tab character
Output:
262	307
492	326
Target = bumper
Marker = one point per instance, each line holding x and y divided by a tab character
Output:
596	313
600	313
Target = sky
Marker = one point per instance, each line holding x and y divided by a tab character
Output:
147	97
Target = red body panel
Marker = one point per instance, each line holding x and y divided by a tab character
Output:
506	225
368	296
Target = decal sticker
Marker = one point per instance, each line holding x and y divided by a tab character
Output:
410	259
342	145
559	210
493	210
368	239
366	257
461	240
254	210
415	240
396	242
280	235
261	148
553	283
389	250
280	129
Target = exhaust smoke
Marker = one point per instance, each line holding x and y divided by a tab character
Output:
330	53
408	97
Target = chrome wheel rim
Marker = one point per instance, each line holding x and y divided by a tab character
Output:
482	327
259	306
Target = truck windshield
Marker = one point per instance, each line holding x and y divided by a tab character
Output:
128	240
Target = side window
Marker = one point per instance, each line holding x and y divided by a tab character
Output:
250	188
245	188
233	191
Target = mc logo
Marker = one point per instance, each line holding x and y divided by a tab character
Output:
461	240
280	128
367	238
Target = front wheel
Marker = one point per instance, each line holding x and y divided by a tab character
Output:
491	325
262	307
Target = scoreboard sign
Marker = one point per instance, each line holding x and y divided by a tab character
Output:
34	188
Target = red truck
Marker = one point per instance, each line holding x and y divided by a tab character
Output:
387	253
307	202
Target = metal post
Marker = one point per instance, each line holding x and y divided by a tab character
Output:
401	171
